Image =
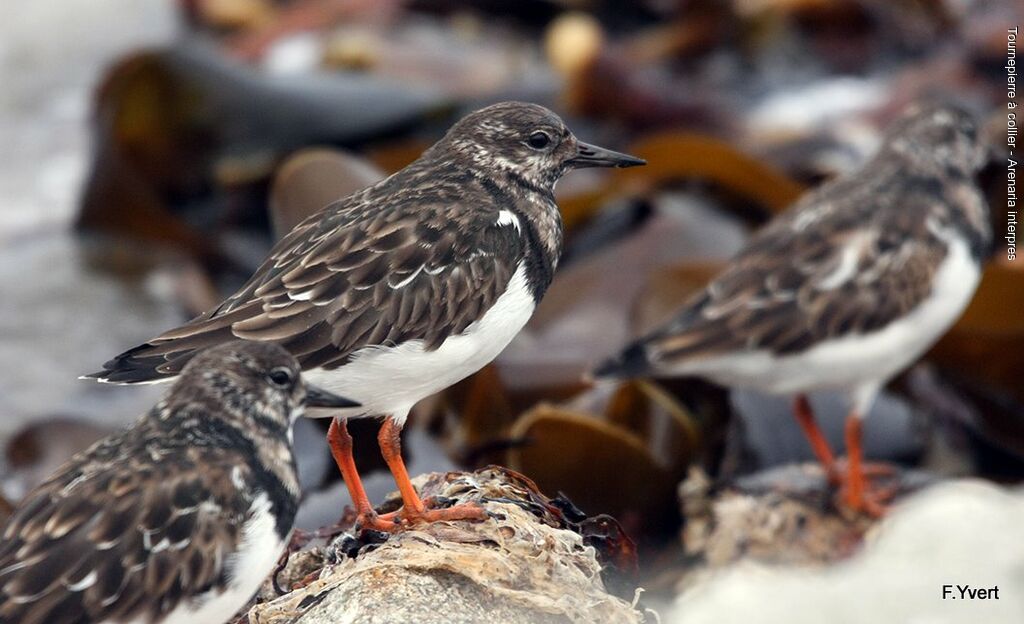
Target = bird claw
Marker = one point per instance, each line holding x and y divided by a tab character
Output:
837	471
871	470
873	501
372	521
397	520
465	511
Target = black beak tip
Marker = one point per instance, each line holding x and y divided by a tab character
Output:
588	155
318	397
631	161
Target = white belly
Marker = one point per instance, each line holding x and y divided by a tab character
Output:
248	568
859	361
390	380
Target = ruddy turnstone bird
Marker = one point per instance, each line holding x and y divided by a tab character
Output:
846	289
405	287
177	519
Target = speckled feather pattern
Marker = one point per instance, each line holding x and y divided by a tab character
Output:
848	259
151	518
419	256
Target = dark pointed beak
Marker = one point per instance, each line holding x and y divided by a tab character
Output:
318	397
588	155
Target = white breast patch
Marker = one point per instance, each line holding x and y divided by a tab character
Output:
390	380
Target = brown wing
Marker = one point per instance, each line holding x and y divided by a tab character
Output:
819	293
112	539
834	265
343	280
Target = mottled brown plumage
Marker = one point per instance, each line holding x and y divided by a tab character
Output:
453	264
408	286
846	289
884	227
151	518
419	256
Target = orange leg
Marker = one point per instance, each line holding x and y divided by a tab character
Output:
341	448
805	416
855	481
857	493
414	510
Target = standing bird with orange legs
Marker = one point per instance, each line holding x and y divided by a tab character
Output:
407	286
843	291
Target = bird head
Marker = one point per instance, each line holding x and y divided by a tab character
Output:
939	135
526	141
252	380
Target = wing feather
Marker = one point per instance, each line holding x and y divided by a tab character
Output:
794	286
344	280
115	538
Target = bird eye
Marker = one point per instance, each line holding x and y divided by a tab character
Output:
539	140
281	377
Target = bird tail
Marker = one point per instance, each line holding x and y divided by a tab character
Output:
163	357
631	362
144	364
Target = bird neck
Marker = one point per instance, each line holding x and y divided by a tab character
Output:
969	214
276	456
209	421
271	460
529	200
952	182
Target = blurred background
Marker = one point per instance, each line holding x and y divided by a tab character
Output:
153	150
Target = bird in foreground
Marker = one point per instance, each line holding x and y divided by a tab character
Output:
407	286
179	518
844	290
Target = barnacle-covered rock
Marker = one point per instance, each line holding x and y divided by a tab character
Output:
536	560
784	516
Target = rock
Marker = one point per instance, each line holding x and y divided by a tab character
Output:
786	524
312	178
536	560
956	532
783	516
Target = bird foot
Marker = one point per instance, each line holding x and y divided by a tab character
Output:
863	497
372	521
465	511
836	473
397	520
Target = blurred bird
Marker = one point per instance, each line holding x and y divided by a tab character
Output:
177	519
408	286
844	290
